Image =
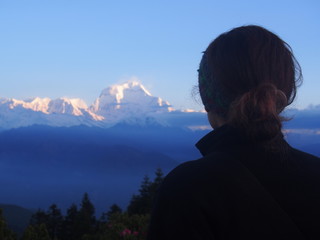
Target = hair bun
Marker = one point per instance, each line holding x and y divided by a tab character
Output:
257	111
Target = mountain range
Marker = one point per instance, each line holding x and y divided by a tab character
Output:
129	103
116	103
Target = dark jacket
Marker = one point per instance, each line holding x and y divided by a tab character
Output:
240	190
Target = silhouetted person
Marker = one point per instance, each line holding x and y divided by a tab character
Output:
249	184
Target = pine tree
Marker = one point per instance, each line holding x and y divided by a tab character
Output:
142	203
54	223
114	209
156	182
86	221
69	224
87	211
5	232
159	177
36	232
29	233
39	217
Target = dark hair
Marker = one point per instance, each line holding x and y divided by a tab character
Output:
248	76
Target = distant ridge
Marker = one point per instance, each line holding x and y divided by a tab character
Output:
17	217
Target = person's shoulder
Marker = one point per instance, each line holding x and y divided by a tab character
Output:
211	170
213	162
306	161
305	157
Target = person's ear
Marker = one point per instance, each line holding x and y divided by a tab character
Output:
215	120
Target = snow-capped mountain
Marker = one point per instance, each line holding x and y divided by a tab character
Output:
75	107
126	102
58	112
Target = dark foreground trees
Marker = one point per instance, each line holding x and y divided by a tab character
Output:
36	232
5	232
142	203
81	223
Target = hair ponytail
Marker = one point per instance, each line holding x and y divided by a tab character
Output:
257	111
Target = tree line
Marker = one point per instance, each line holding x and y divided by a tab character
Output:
80	223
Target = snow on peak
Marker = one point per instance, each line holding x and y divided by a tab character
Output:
60	110
36	104
130	89
129	98
73	106
67	106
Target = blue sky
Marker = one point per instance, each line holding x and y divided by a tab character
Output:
75	48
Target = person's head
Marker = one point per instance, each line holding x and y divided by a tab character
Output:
247	76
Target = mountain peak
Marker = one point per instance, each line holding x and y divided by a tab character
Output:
127	89
128	98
